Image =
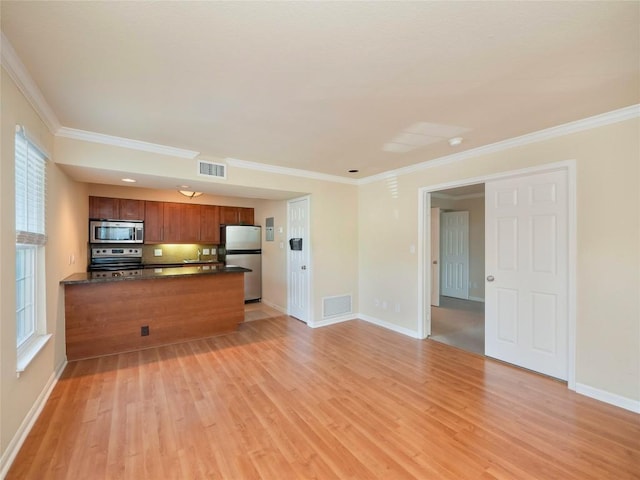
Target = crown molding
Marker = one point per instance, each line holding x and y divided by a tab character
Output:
125	143
595	121
295	172
20	75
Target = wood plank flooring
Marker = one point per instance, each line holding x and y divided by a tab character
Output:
278	400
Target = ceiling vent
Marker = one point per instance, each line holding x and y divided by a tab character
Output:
210	169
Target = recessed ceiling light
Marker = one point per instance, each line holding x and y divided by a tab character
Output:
129	180
184	187
455	141
354	171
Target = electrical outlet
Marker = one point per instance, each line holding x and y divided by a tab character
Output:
213	251
157	252
144	330
205	251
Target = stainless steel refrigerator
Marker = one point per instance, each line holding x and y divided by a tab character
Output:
243	248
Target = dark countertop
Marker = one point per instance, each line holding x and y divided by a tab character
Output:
156	273
180	264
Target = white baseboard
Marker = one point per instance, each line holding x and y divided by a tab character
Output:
389	326
608	397
18	439
477	299
333	320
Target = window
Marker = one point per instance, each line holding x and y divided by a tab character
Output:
30	186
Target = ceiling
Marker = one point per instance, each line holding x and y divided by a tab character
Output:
327	86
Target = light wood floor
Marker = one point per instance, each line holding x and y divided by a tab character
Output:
459	323
279	400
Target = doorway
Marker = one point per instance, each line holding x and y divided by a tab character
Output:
457	254
534	312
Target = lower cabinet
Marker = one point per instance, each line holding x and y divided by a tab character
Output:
150	312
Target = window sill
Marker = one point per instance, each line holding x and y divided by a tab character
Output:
28	353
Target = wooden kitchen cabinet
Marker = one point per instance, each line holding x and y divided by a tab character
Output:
210	224
116	208
245	216
181	223
190	223
97	325
153	222
170	222
236	216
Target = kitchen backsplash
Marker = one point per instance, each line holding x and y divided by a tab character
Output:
176	253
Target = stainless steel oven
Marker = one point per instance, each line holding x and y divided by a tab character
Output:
115	262
114	231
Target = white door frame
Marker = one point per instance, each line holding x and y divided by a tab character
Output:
307	252
424	252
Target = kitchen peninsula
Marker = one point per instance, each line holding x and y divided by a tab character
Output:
161	306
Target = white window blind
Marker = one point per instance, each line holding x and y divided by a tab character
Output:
31	236
30	191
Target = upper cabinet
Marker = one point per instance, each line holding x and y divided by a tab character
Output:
116	208
181	223
170	222
210	224
154	222
236	216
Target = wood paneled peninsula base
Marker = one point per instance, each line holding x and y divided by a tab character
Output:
107	316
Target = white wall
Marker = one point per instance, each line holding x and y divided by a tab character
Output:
66	223
608	240
274	254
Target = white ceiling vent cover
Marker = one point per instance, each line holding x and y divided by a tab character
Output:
210	169
334	306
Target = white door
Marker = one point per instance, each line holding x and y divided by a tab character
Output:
454	254
435	256
526	310
298	283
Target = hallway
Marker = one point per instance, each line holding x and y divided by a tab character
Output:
459	323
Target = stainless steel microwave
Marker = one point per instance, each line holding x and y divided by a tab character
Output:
114	231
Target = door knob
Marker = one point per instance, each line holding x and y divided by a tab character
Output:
490	278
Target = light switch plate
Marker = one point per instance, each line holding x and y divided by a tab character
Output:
157	252
205	251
